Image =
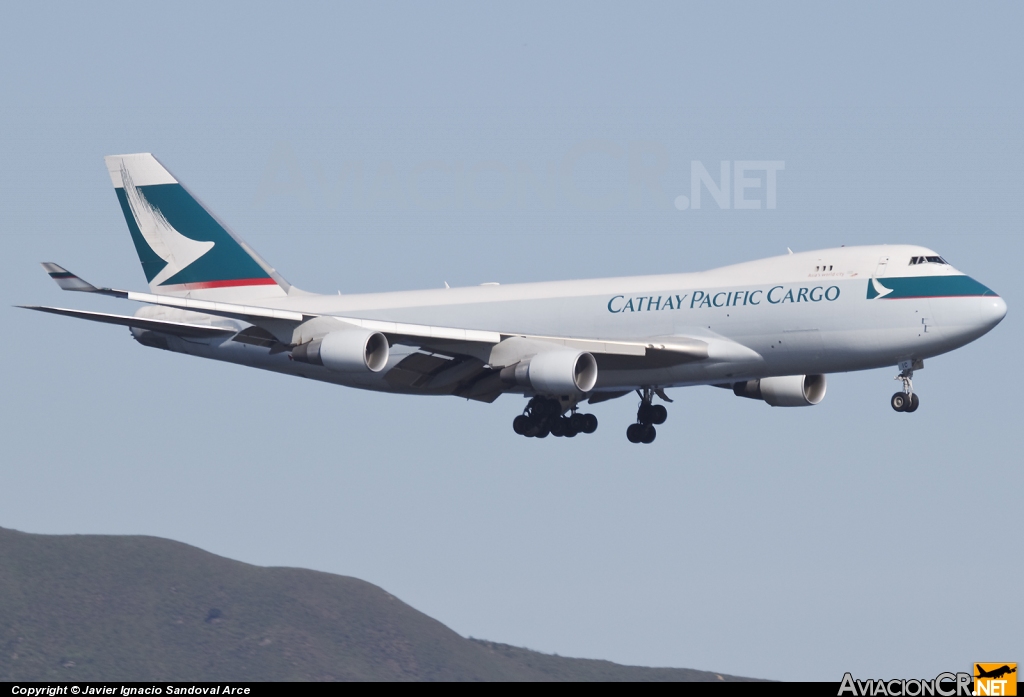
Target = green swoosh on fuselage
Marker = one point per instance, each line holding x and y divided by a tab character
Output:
929	287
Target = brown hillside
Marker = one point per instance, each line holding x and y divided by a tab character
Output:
133	608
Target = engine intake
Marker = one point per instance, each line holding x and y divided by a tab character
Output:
555	373
786	391
347	351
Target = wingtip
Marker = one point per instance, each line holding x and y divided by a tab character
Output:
65	279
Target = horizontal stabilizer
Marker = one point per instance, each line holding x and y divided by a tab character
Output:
156	325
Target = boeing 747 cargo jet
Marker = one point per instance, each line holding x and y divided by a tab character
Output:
768	329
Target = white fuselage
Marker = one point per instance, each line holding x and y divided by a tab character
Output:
807	313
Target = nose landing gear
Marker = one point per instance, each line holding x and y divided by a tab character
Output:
544	416
647	416
906	401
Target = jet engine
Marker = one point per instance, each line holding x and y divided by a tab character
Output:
555	373
786	391
346	351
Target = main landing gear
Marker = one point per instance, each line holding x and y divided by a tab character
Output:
544	416
647	416
906	400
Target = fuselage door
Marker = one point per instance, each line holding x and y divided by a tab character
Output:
883	264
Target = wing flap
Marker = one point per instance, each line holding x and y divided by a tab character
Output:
429	373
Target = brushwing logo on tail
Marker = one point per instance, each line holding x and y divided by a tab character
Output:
179	252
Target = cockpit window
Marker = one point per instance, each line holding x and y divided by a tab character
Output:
927	260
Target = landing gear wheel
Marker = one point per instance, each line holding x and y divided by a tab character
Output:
647	416
907	400
546	416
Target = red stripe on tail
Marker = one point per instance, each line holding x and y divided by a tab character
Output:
233	283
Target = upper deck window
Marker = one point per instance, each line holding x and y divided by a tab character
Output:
928	260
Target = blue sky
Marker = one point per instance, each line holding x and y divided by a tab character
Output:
393	146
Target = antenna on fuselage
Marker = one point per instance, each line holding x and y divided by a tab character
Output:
789	250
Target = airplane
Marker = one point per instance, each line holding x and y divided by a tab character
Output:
769	329
995	673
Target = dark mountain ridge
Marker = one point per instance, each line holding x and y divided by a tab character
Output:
136	608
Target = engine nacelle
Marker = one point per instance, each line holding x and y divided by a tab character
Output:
555	373
786	391
346	351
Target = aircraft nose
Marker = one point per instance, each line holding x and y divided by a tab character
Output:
992	312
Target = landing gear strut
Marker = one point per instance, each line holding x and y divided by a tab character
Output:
544	416
647	416
907	400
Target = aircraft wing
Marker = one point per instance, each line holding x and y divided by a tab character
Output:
493	349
